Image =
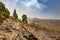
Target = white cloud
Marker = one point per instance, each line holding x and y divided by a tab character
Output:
33	4
29	8
16	0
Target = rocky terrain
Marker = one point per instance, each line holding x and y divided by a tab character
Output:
12	29
50	27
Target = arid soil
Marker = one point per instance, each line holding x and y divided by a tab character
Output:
12	29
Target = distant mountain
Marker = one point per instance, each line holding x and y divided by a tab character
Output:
50	23
50	27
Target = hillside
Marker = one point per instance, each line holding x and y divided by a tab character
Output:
50	27
11	29
49	23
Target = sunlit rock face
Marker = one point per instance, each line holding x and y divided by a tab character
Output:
12	29
8	27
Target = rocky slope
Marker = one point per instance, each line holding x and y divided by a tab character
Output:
50	27
11	29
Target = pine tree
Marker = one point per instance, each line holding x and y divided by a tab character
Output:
4	12
24	19
2	6
15	14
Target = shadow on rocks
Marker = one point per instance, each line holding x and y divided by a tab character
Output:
31	37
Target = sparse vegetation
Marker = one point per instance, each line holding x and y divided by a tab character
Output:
37	26
51	29
15	14
24	19
4	12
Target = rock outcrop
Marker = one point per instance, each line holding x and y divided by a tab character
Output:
11	29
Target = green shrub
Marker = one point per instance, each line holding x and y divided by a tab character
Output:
24	19
4	12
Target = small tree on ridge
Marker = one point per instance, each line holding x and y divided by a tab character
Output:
15	14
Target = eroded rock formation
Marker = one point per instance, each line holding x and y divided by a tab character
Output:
11	29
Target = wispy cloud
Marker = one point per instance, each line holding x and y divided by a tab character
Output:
30	7
33	4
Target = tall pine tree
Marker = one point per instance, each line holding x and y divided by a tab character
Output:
4	12
15	14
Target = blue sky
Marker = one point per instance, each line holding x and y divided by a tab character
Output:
46	9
